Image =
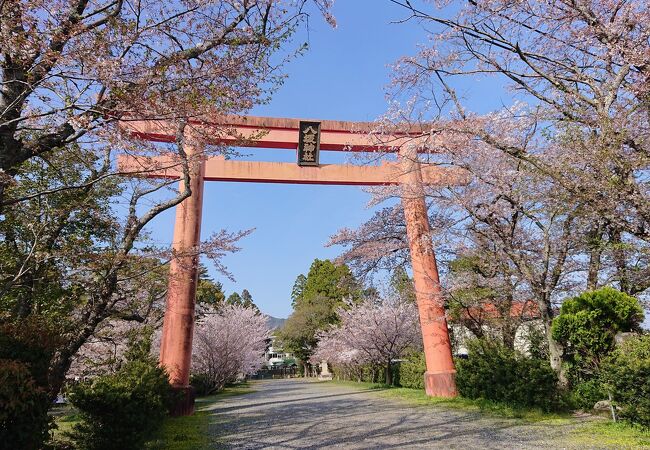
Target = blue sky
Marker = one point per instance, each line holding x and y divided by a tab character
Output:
342	77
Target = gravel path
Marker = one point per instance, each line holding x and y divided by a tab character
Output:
292	414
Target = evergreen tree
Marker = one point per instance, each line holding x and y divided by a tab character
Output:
402	285
208	291
316	298
234	299
332	281
298	289
247	299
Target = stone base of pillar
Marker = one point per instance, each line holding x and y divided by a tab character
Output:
440	384
183	401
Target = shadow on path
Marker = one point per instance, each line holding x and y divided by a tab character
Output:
296	414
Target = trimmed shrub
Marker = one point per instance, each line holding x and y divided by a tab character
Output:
123	409
412	371
626	374
587	325
495	372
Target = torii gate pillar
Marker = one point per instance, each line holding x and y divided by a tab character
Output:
439	379
178	325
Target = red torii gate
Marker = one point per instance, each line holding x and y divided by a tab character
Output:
176	345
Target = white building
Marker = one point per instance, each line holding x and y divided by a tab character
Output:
277	357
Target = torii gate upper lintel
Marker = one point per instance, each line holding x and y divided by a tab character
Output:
176	344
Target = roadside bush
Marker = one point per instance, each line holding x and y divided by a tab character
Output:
24	422
122	410
587	325
373	373
412	371
586	394
26	349
626	374
367	373
495	372
202	384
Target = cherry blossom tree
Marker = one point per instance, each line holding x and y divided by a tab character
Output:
73	227
530	235
579	78
371	332
70	69
334	350
559	192
140	310
229	343
579	81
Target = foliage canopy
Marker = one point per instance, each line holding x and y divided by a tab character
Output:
587	325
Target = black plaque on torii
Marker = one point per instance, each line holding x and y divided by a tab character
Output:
308	143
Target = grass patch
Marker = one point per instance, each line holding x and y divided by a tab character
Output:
65	417
416	397
191	432
488	407
612	434
229	391
181	433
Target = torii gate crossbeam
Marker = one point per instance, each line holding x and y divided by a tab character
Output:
217	168
277	133
409	173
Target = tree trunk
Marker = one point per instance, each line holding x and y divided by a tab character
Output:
595	237
508	334
555	350
620	261
389	374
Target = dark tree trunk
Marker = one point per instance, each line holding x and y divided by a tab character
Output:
595	236
555	350
389	374
620	261
508	333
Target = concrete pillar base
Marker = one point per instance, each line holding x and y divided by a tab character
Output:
183	404
440	384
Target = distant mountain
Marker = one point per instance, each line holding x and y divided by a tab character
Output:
275	322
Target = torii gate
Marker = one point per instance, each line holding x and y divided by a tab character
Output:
277	133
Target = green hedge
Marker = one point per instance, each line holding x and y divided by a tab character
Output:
367	373
495	372
201	384
412	371
586	394
626	374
